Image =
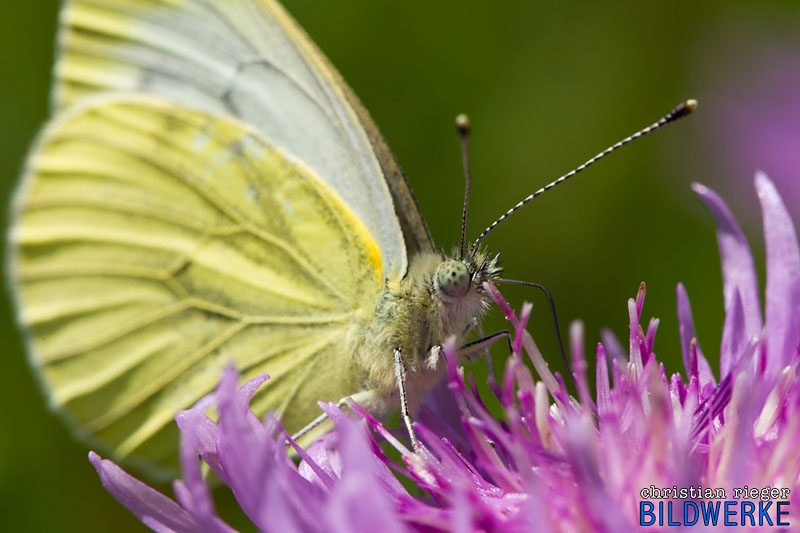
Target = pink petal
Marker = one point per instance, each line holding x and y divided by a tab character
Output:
361	500
782	308
193	493
603	387
201	434
243	450
738	272
150	506
734	339
635	342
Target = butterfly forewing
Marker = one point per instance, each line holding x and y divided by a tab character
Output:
248	59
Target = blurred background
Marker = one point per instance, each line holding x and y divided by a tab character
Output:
546	85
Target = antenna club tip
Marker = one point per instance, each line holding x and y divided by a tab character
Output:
462	122
685	108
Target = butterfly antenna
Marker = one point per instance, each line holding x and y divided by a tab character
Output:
551	301
462	124
682	110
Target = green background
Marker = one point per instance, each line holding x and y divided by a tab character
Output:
546	84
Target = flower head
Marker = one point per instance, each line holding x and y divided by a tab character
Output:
551	462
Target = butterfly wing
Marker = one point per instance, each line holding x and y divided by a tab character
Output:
248	59
153	244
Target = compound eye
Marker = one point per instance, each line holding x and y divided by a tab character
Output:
453	278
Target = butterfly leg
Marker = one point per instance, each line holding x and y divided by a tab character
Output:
482	345
477	325
359	398
400	374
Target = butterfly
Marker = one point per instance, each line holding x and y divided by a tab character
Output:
210	190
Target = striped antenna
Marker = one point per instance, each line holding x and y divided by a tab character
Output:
679	112
462	124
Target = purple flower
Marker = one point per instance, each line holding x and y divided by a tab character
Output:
551	462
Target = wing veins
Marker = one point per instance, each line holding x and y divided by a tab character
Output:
157	422
104	338
171	24
88	386
171	218
344	106
44	273
177	307
126	207
258	53
292	394
214	202
112	415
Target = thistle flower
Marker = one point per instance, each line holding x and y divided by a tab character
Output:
551	462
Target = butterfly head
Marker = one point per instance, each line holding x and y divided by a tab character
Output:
457	279
452	280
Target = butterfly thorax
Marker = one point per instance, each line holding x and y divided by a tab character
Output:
439	297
